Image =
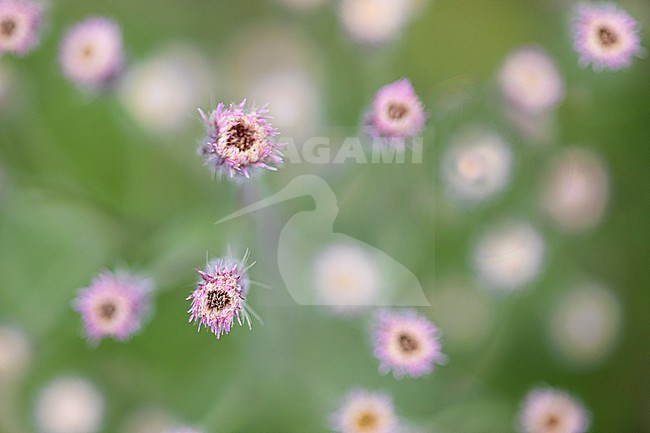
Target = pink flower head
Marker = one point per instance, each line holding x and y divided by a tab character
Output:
20	25
396	112
239	140
605	36
91	53
406	343
548	410
220	296
114	305
363	411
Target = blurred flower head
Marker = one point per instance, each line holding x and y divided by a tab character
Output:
162	93
405	343
114	305
605	36
530	80
149	420
363	411
220	296
239	140
397	112
476	166
509	257
20	26
548	410
69	405
374	21
585	324
15	351
575	190
91	53
346	278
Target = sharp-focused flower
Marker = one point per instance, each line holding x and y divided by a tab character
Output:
162	92
15	351
548	410
374	21
405	343
69	405
585	324
396	113
20	26
239	140
114	305
530	80
364	411
605	36
575	190
509	257
477	166
346	278
91	53
220	296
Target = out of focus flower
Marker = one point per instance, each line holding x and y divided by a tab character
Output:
220	296
374	21
364	411
586	324
91	53
477	166
405	343
548	410
239	140
575	190
509	257
605	36
149	420
15	351
162	93
294	97
396	113
69	405
346	278
114	305
20	26
530	80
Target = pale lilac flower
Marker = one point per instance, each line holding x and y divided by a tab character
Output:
406	343
605	36
91	53
239	140
20	26
114	305
548	410
364	411
15	352
374	21
69	405
530	80
397	112
509	257
220	296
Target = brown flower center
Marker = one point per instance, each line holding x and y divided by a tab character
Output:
552	422
7	26
218	299
397	111
107	310
367	421
407	343
607	36
241	136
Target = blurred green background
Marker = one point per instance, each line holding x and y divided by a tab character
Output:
84	187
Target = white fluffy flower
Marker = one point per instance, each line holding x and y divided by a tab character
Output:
548	410
69	405
509	257
374	21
